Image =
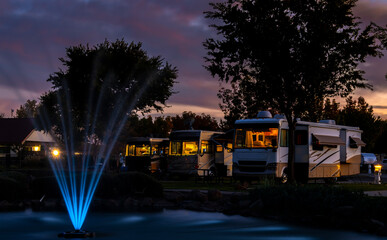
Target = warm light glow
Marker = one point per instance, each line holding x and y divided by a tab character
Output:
378	168
36	148
55	153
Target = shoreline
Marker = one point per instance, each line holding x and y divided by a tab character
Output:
228	203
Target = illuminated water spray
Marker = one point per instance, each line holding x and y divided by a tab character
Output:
78	173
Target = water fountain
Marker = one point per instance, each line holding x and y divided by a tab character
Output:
78	183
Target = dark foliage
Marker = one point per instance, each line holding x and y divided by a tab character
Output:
45	186
133	183
17	176
288	55
11	189
358	113
104	84
321	205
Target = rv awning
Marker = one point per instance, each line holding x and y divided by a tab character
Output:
358	142
329	140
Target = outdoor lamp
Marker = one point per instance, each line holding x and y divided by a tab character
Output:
55	153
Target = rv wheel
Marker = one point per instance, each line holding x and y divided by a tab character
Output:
212	172
284	178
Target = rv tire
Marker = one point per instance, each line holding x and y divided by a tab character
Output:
283	179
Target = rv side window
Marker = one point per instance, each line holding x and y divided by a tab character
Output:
284	141
155	150
175	148
240	138
206	147
229	147
301	137
219	148
316	144
131	150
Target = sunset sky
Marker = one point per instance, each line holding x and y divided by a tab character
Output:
35	33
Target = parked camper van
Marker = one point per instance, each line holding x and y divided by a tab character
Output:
322	150
145	154
193	152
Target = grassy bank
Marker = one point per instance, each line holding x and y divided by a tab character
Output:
341	207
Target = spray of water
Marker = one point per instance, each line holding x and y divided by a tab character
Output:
78	184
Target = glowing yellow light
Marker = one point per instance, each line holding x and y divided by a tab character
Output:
378	168
55	152
36	148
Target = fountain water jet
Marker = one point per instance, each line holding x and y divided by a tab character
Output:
77	186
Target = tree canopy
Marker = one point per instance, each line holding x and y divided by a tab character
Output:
358	113
102	85
288	55
27	110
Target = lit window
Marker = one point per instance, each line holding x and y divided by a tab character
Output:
36	148
256	138
219	148
190	148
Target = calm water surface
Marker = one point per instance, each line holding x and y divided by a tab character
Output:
170	224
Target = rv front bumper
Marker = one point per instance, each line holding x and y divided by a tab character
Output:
253	171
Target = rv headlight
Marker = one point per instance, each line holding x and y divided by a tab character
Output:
271	166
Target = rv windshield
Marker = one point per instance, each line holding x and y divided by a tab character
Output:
139	150
256	138
184	147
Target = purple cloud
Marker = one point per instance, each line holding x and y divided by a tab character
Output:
36	33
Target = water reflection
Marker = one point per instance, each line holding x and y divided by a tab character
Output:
170	224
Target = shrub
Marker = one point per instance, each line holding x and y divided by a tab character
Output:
132	183
11	190
17	176
45	186
303	200
107	186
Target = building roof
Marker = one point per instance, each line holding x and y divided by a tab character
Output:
15	130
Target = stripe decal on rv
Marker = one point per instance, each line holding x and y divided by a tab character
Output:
335	173
318	164
321	154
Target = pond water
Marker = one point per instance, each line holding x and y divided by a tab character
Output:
169	224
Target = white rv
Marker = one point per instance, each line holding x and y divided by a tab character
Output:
322	150
193	152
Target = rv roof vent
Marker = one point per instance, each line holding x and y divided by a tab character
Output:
264	114
328	121
279	116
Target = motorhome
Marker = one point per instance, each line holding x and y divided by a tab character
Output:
144	154
322	150
194	152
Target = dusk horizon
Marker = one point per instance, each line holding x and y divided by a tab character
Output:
35	34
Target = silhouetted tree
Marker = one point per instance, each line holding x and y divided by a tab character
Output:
288	54
27	110
360	114
192	120
357	113
101	86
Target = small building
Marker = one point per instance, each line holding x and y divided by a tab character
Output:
21	142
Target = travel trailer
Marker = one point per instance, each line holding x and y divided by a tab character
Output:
322	150
144	154
194	152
